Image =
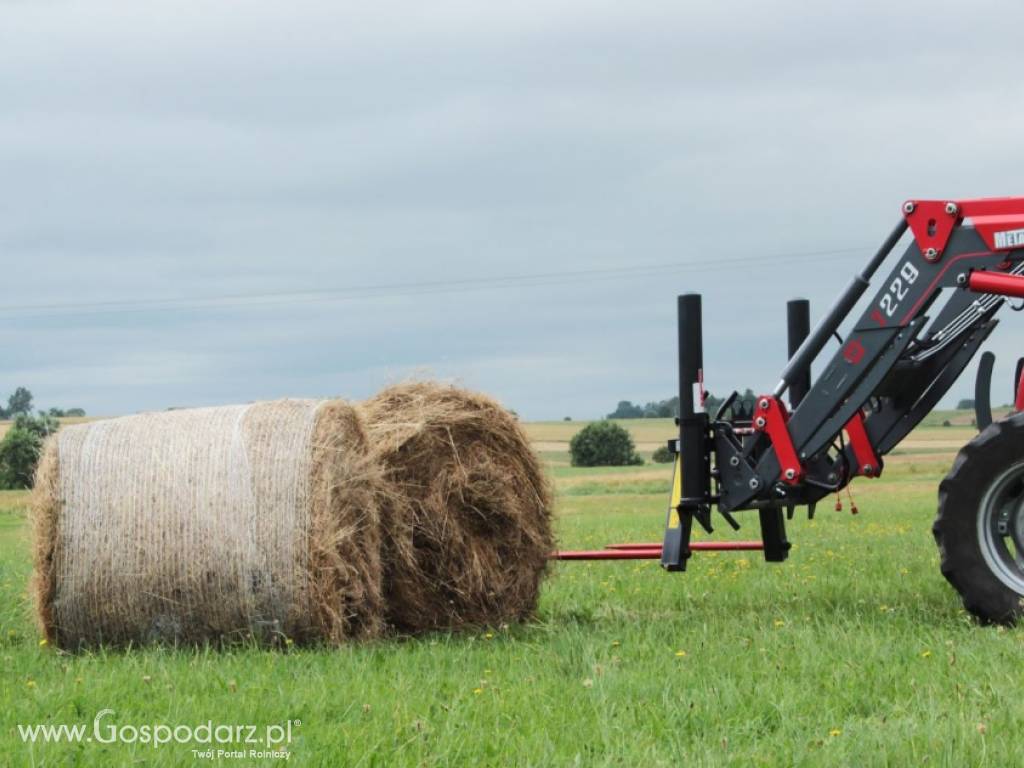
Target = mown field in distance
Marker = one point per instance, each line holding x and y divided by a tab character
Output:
5	425
854	652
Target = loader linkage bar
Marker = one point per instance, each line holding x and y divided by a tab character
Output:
893	366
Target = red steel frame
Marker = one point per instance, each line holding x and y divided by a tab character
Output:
981	281
868	463
771	417
998	220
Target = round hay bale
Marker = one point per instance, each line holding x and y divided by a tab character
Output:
467	524
209	524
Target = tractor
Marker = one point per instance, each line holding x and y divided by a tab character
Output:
810	437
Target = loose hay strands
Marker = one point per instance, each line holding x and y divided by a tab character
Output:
44	509
467	529
214	523
345	567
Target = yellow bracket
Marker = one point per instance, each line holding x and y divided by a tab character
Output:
677	493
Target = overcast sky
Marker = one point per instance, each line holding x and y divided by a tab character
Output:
331	158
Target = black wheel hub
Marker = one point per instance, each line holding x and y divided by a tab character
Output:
1001	527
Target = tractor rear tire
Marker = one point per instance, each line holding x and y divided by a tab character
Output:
980	525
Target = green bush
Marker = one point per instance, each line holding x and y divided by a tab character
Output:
20	449
603	444
663	456
19	454
42	426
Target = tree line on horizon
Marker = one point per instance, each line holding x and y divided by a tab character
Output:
668	409
20	404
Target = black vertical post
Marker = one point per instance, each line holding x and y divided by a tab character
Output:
693	424
773	534
798	328
691	351
693	427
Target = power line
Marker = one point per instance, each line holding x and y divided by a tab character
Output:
405	289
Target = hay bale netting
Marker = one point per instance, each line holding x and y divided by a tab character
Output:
466	525
216	523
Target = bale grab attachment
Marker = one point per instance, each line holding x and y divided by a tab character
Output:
893	365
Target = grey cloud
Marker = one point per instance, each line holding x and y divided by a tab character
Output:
173	150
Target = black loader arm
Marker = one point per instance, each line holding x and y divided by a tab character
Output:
894	366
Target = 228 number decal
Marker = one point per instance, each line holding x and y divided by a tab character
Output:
898	289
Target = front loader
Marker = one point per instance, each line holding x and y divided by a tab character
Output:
810	436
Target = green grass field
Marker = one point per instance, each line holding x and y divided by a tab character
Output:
854	652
